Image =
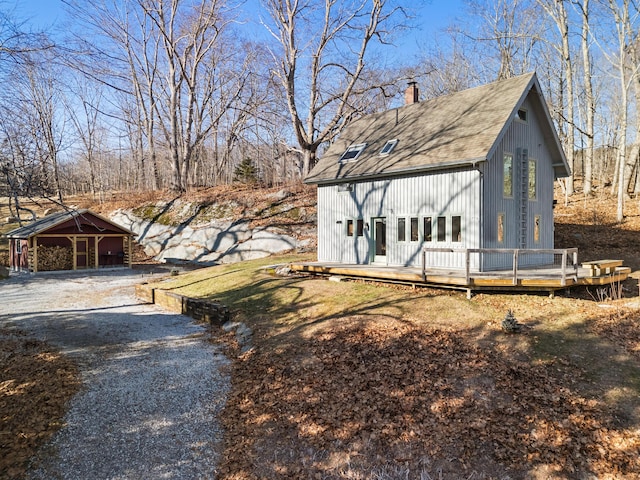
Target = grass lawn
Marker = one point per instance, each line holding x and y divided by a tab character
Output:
362	380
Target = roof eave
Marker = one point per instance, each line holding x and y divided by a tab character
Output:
27	232
471	162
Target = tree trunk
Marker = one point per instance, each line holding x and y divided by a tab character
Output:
309	160
587	158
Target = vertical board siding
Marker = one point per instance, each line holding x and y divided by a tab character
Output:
518	136
437	194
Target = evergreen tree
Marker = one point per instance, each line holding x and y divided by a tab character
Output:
246	172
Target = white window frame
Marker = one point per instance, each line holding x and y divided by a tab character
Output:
461	226
403	229
417	225
388	147
358	148
444	230
519	116
18	247
431	228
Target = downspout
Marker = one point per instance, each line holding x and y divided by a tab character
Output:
480	214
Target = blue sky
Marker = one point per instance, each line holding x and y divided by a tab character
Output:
433	15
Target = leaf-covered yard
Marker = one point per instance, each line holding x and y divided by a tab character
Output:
377	397
359	380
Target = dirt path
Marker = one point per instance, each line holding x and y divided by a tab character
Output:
152	384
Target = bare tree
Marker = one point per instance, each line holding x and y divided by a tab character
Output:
83	111
625	36
322	53
590	106
190	44
557	11
39	100
511	29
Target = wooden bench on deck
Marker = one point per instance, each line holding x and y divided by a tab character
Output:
598	268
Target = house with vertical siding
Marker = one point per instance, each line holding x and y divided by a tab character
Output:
470	170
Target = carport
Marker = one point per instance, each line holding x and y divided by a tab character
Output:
69	240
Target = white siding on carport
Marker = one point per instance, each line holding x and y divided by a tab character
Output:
436	194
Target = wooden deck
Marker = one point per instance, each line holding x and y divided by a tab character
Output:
543	279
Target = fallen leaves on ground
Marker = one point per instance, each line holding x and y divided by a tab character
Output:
372	395
622	327
36	383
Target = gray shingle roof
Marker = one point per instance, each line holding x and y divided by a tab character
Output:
455	129
54	220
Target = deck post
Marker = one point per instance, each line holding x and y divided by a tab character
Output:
74	245
35	255
467	260
424	265
563	281
515	266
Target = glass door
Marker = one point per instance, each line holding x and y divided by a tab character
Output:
380	240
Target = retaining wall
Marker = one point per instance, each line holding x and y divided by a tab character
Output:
198	309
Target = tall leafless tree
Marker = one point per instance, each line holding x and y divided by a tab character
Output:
557	11
510	28
323	49
589	98
622	14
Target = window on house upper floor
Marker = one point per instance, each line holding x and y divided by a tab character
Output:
522	115
532	180
388	147
352	153
507	175
349	228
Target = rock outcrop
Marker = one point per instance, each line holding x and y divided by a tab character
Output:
217	241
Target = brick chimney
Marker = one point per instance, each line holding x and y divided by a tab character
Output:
411	93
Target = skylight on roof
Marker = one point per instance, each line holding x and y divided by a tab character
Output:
388	147
352	152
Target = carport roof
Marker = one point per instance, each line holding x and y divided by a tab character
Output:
50	221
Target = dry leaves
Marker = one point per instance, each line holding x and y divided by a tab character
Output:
388	393
36	383
622	327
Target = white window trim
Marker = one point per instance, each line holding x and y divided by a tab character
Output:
421	226
406	228
389	146
462	233
526	113
409	218
352	148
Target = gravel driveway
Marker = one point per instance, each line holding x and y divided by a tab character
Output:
152	385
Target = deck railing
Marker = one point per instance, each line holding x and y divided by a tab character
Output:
568	262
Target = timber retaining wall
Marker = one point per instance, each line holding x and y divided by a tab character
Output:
198	309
